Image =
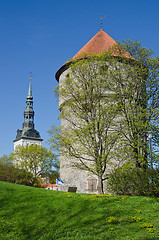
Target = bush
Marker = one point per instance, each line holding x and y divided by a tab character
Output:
153	182
128	180
9	173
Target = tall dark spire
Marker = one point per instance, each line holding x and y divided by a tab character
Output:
29	112
28	132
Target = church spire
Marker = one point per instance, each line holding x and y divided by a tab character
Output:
30	89
29	112
28	134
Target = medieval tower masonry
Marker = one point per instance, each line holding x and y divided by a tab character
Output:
83	180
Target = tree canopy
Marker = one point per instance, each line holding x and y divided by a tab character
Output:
34	158
146	58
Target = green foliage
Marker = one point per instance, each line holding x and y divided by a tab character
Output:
52	175
31	213
147	58
34	158
56	92
54	140
6	160
10	173
128	180
153	175
54	143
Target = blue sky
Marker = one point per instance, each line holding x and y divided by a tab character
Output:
39	36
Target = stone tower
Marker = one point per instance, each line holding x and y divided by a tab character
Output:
72	177
28	135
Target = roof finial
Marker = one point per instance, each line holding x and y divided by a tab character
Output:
30	90
30	76
101	19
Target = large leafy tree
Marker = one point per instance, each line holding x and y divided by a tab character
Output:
34	158
91	132
129	87
149	109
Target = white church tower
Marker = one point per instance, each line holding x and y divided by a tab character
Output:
28	135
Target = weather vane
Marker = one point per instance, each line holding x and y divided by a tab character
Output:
101	19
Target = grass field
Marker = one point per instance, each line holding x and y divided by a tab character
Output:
32	213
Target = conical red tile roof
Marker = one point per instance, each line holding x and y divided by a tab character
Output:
99	43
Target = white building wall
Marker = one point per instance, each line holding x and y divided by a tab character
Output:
26	142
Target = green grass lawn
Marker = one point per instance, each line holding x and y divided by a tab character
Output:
32	213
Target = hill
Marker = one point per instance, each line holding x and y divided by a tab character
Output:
32	213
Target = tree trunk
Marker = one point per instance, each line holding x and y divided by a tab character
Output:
100	185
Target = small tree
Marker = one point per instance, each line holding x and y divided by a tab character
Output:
34	158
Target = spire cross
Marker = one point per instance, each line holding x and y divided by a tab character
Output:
101	22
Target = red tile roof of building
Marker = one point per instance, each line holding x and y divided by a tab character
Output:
47	185
99	43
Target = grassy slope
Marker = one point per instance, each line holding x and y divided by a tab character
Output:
31	213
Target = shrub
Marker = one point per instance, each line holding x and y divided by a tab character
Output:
9	173
153	178
128	180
